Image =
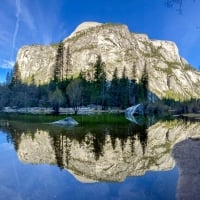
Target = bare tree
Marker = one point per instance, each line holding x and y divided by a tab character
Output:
56	99
74	92
178	3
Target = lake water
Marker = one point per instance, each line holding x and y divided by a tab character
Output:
106	161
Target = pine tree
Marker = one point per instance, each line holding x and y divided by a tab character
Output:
144	85
133	95
9	76
59	65
134	73
114	90
124	90
99	82
16	79
98	71
68	61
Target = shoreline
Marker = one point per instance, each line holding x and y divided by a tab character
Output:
191	115
62	111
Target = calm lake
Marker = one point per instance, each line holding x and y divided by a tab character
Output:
151	160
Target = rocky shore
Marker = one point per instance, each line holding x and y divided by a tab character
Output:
42	110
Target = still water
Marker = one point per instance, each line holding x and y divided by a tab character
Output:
106	161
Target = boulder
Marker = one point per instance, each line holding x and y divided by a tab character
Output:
68	121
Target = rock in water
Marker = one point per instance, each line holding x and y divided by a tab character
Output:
68	121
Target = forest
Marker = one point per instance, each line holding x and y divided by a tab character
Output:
76	92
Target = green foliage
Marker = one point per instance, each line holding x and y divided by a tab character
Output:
16	79
153	51
170	94
143	86
59	65
9	77
99	83
119	93
114	98
124	90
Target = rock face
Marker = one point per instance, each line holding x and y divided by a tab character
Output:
37	62
112	159
169	74
84	26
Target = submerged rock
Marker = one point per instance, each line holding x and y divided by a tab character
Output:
69	121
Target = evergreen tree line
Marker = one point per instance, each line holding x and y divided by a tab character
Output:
75	92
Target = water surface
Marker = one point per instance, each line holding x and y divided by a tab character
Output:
105	161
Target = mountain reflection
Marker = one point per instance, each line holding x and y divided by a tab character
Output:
108	153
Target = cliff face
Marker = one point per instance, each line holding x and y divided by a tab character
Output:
36	61
111	160
169	74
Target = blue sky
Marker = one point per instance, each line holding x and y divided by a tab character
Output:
26	22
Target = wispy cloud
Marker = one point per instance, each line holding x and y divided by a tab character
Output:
27	16
18	11
7	64
49	26
6	26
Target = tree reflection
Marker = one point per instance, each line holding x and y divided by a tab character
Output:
95	138
62	138
104	152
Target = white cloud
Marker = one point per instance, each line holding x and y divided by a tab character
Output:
7	64
18	11
27	17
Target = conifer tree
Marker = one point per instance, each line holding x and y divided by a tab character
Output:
114	90
124	90
99	82
16	79
144	84
9	77
59	65
133	94
68	61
